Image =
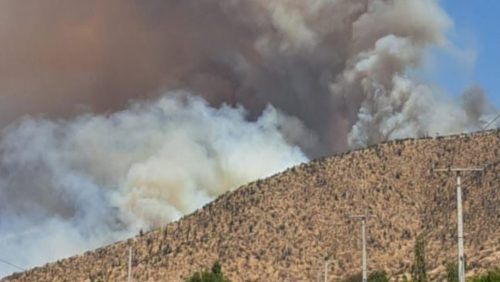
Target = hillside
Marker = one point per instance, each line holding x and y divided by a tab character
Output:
281	228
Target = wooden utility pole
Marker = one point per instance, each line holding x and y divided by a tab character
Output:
364	263
326	270
129	264
319	274
460	223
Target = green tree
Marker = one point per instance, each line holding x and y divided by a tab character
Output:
491	276
215	275
419	269
377	276
353	278
217	269
452	271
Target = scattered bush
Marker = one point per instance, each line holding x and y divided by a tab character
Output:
492	276
452	272
215	275
353	278
419	271
377	276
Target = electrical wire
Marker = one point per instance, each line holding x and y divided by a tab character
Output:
491	122
11	264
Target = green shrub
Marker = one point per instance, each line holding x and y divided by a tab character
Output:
353	278
452	272
491	276
419	271
215	275
377	276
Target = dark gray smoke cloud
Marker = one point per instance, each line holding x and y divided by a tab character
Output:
305	58
277	82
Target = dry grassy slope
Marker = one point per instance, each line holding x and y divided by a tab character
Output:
281	228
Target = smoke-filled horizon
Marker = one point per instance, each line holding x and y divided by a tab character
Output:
119	115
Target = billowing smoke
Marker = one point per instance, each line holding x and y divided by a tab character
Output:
71	185
333	64
109	145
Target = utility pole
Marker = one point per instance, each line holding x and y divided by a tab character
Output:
364	264
460	223
326	270
319	274
129	264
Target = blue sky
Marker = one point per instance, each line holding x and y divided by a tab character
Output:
476	33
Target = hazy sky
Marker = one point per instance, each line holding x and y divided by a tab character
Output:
476	30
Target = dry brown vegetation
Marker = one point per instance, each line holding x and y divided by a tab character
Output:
281	228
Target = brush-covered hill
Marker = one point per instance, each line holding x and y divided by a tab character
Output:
282	228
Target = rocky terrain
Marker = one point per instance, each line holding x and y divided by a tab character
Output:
284	227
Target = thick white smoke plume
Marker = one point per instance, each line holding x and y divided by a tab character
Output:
68	186
272	83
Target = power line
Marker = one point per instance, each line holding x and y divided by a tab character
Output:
491	122
11	264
